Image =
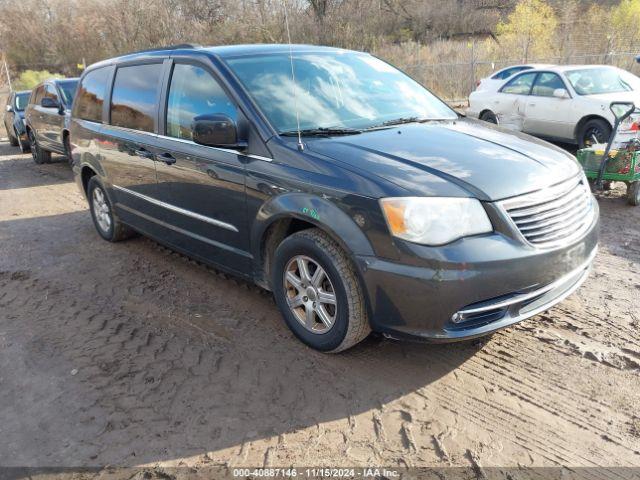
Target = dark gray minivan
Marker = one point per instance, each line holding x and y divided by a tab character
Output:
334	180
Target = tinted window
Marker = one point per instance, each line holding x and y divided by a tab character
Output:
51	92
91	95
546	83
37	94
347	89
194	92
68	90
134	101
521	85
504	74
21	101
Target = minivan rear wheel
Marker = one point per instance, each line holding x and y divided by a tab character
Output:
104	218
318	292
39	155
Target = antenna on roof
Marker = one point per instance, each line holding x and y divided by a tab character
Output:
293	77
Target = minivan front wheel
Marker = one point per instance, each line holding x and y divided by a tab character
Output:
105	220
318	292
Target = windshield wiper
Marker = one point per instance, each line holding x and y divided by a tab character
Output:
399	121
307	132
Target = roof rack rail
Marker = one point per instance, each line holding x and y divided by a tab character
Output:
168	47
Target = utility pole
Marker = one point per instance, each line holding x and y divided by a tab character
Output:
6	69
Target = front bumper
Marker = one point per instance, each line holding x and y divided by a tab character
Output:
472	287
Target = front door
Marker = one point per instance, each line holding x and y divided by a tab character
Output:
52	121
204	186
545	114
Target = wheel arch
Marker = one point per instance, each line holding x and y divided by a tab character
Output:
284	215
584	120
86	172
487	110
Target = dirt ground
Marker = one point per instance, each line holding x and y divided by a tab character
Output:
130	354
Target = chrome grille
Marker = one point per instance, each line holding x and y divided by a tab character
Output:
553	216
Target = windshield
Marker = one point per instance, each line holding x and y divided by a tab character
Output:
592	81
68	89
22	99
334	90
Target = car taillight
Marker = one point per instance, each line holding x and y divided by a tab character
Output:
634	127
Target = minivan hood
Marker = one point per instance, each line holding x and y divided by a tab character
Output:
475	158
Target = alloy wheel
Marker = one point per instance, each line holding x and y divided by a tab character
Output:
101	210
310	294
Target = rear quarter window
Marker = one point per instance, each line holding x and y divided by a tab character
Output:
134	101
91	93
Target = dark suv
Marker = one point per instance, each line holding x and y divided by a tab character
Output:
14	119
355	195
47	118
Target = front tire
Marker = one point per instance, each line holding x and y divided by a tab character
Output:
593	131
39	155
105	220
318	292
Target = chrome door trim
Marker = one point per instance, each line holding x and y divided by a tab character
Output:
184	232
189	142
182	211
228	150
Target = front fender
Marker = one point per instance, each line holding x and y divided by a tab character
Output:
315	210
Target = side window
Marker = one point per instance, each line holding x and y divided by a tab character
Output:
546	83
134	101
36	96
194	92
503	75
521	85
90	97
51	92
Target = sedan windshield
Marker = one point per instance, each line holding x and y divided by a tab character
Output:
22	99
335	92
592	81
68	89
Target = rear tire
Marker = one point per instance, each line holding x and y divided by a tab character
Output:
13	140
104	218
39	155
597	129
633	193
304	295
489	117
67	149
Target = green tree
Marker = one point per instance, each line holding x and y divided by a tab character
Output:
625	23
530	29
30	78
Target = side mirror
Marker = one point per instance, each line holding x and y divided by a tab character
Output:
622	110
48	102
216	130
9	108
560	93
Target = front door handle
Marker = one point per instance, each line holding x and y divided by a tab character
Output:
144	153
167	158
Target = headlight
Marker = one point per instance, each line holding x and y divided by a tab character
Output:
434	220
